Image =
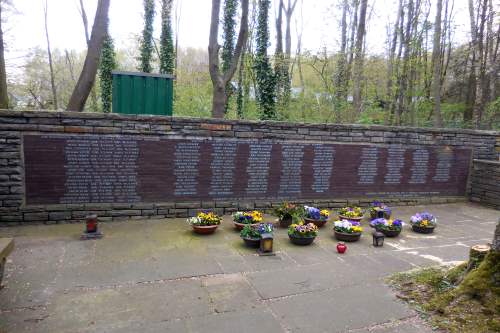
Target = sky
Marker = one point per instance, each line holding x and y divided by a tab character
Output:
25	29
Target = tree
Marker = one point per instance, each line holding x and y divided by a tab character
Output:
49	53
340	73
88	74
220	80
359	55
436	64
106	66
229	40
264	72
4	97
167	53
93	96
147	37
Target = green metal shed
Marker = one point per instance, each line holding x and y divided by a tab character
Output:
143	93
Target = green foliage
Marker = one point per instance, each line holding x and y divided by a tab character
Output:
106	66
264	73
167	52
249	232
147	37
455	300
228	36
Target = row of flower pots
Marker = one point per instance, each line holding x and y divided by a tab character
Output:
303	223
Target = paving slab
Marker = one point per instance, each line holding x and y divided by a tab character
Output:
158	276
340	309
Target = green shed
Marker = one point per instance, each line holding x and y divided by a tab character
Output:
143	93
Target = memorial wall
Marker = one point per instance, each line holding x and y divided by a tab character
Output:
60	166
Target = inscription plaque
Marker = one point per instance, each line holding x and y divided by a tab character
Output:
72	168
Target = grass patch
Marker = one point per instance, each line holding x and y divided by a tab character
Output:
451	299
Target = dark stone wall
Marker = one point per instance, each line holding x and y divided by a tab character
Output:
15	124
485	183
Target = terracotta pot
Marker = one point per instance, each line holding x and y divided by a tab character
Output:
251	242
358	219
204	229
318	223
345	237
423	230
240	226
286	221
301	240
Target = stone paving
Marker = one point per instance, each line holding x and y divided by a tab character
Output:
157	276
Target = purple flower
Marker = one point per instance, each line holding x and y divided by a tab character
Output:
397	223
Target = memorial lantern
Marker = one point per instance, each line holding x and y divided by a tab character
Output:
91	228
378	239
266	244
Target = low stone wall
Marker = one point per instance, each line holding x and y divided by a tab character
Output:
15	124
485	183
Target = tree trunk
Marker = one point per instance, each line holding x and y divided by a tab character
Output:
403	79
87	76
49	53
4	97
436	54
93	95
358	61
354	25
340	75
220	80
390	67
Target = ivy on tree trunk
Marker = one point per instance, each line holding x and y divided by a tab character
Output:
106	66
167	53
264	72
228	36
147	37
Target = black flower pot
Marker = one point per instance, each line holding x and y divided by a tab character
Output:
251	242
345	237
286	221
380	215
423	230
318	223
301	240
389	233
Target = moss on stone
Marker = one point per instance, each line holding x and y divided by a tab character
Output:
454	300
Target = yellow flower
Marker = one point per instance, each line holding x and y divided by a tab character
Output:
424	223
325	212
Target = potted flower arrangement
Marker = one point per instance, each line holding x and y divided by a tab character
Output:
302	234
316	216
251	234
379	210
351	213
287	213
390	228
241	219
347	231
423	223
204	222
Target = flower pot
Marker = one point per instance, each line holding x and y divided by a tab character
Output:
285	221
379	215
345	237
318	223
239	226
423	230
357	219
301	240
204	229
389	233
251	242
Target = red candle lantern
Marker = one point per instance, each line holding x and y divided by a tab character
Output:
341	247
91	224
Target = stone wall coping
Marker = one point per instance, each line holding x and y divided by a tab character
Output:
278	124
497	163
